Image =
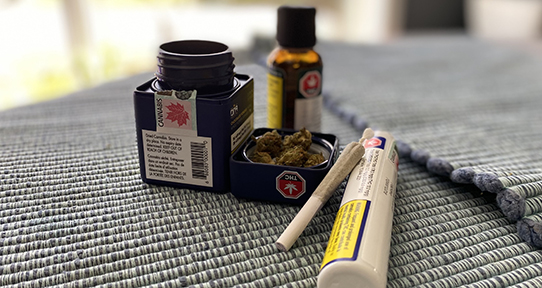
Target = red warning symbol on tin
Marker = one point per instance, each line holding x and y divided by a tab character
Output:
310	84
290	184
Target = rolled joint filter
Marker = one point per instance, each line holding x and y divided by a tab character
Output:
358	249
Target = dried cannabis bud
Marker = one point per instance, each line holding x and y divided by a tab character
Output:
262	157
296	156
292	151
302	138
270	142
314	159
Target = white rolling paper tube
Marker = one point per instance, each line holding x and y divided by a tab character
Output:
358	248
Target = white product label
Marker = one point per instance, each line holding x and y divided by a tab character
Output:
178	158
308	113
242	133
367	173
376	173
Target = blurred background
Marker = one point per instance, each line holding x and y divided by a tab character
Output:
50	48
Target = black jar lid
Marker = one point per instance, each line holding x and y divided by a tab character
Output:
296	27
206	66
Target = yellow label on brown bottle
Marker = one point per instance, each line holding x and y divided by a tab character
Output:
274	100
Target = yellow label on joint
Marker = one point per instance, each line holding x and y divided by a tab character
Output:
347	232
274	101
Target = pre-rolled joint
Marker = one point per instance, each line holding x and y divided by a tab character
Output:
463	175
440	166
303	217
420	156
488	182
512	204
281	247
530	231
368	133
404	149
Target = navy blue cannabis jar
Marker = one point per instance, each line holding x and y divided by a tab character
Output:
192	116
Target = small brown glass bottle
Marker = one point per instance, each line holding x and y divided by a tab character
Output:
294	81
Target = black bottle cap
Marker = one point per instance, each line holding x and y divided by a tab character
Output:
295	27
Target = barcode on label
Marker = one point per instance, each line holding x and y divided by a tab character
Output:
199	156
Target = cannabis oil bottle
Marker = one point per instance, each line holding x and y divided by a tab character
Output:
294	80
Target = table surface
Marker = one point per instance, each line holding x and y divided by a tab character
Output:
75	213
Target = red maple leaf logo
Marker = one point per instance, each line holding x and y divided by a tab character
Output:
177	113
311	82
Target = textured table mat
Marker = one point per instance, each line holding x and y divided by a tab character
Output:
464	109
75	213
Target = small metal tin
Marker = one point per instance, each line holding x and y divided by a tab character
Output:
277	183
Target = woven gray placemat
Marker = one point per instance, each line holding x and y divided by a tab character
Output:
74	212
464	108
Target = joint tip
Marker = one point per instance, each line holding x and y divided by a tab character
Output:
281	247
368	133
